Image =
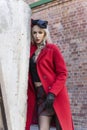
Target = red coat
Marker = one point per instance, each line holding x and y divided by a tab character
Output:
52	72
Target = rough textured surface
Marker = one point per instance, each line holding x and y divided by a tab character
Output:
14	54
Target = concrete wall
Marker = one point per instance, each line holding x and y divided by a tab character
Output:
14	54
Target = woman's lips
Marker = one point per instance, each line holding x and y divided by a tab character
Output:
37	40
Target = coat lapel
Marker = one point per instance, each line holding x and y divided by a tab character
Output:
42	53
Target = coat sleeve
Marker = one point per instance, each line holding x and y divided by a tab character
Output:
60	70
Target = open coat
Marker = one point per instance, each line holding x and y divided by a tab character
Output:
52	71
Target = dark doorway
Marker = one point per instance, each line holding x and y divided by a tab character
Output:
3	111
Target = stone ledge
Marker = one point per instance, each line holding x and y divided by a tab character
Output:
35	127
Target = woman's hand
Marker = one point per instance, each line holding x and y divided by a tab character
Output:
49	100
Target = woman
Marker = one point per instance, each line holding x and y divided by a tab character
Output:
48	102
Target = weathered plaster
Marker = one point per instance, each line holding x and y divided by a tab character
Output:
14	54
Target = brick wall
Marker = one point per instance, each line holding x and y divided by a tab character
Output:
68	28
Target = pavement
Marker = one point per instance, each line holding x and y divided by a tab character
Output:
35	127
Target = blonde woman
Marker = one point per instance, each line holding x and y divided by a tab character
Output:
48	102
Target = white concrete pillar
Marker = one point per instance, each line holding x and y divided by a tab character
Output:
14	54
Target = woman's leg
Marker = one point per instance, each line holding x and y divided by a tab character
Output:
58	127
44	122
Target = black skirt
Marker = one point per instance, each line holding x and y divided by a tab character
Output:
41	100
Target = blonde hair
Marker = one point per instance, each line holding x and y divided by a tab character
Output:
47	37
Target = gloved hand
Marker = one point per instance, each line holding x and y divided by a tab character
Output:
49	100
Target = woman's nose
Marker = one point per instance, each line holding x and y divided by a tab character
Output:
37	35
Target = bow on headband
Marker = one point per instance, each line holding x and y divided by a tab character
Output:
40	23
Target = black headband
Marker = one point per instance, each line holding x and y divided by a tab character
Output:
40	23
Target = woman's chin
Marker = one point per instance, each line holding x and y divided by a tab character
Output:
38	43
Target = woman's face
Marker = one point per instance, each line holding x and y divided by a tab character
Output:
38	34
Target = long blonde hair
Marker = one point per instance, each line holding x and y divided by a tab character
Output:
47	37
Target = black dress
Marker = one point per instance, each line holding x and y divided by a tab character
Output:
40	93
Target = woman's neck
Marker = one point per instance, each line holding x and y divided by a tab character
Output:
41	44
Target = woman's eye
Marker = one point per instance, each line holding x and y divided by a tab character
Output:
40	32
34	32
